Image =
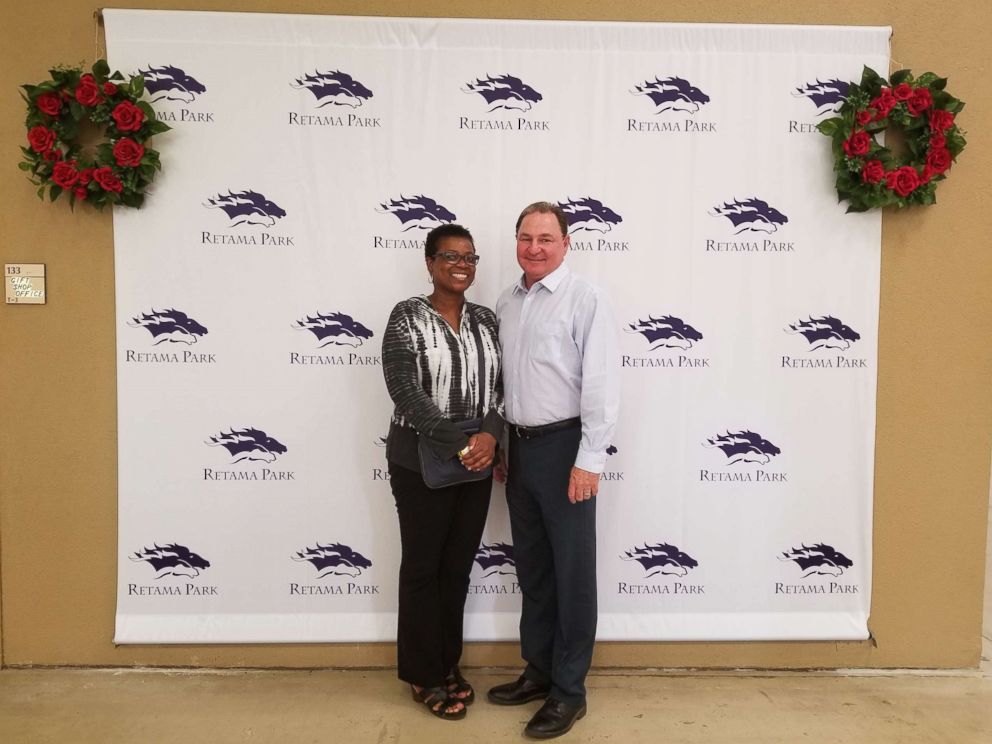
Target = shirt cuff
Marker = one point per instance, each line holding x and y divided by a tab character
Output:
594	462
493	424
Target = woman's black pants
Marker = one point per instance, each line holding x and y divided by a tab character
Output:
440	530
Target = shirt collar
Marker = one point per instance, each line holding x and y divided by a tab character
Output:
551	282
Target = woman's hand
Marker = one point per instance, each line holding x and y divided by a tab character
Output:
481	449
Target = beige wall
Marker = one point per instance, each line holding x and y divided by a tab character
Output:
57	385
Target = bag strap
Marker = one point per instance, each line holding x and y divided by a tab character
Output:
481	359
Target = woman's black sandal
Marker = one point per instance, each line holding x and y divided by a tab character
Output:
457	687
431	696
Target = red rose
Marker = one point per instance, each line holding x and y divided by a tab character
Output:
903	92
80	192
128	116
53	155
938	140
926	174
883	104
857	144
940	119
88	92
41	138
939	159
903	181
128	152
107	180
920	101
863	117
85	176
49	103
109	89
65	174
873	171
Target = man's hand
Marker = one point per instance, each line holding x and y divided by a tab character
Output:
481	448
582	485
501	469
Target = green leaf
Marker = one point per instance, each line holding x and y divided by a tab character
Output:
829	127
24	166
939	84
870	79
157	127
70	129
927	78
149	111
54	193
101	69
900	76
76	109
137	85
940	99
41	192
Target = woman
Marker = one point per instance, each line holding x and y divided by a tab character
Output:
430	358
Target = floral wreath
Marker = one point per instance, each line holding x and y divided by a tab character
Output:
122	166
869	175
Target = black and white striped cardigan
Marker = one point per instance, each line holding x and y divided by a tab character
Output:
432	376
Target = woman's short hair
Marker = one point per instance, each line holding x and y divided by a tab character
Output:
449	230
544	207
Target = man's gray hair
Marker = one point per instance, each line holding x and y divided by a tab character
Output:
543	207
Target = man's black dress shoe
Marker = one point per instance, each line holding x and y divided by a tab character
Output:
519	692
554	719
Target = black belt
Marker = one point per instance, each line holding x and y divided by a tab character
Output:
529	432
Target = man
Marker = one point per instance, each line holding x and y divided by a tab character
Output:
561	392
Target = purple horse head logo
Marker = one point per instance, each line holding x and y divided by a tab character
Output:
752	214
744	446
496	559
171	83
417	211
818	559
334	328
172	560
249	444
666	332
334	88
170	326
504	92
660	558
672	94
825	333
247	207
827	97
589	214
336	559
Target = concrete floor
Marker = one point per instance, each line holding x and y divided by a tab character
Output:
76	706
295	707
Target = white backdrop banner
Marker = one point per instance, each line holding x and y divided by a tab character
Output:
309	157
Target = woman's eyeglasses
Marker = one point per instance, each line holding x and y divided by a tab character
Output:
450	257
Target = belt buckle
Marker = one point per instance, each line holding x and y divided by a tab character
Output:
521	431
